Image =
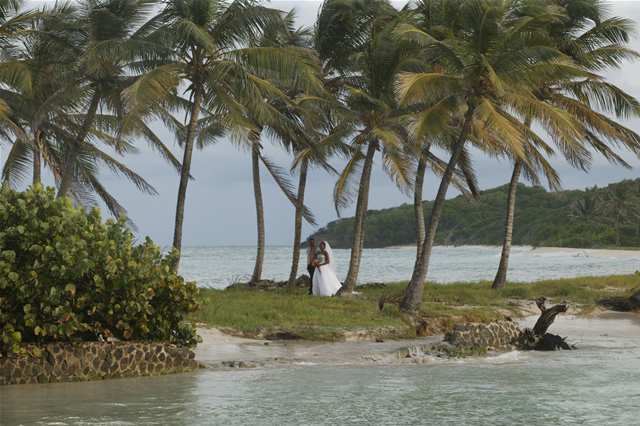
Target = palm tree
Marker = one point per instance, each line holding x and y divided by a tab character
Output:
282	118
13	26
47	100
585	209
488	61
210	45
618	205
324	131
354	38
95	40
36	94
594	43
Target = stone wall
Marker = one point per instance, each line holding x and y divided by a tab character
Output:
95	361
495	335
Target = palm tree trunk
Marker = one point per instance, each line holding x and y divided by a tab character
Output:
185	171
37	167
257	192
500	280
417	199
298	225
76	145
413	298
360	222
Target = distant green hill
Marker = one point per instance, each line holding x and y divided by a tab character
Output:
582	219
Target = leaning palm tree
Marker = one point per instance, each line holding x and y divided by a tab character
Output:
48	99
595	44
488	61
37	94
354	38
209	45
96	40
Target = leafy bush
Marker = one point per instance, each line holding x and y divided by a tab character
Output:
67	276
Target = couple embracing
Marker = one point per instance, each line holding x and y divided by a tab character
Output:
322	269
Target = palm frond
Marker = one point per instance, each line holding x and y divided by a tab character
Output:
287	188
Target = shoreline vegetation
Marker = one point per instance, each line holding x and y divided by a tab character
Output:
544	220
270	311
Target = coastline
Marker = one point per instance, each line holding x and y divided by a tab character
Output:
221	351
556	251
541	251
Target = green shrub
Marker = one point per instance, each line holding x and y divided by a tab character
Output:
67	276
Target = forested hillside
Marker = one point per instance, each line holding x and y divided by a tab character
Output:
595	217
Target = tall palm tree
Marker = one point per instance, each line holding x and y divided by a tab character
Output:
354	38
48	99
324	133
593	43
488	61
282	119
37	94
210	45
95	39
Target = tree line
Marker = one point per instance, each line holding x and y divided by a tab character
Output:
593	218
519	79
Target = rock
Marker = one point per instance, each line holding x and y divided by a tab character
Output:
491	336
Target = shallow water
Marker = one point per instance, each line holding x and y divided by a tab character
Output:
330	384
342	384
217	267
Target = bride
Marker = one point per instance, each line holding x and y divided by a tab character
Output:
325	279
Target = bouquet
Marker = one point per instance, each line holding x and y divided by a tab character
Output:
320	259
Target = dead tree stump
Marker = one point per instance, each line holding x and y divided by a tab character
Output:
538	339
547	317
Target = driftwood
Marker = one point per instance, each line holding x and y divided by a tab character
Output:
620	304
538	339
547	317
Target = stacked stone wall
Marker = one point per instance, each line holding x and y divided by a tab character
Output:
96	360
495	335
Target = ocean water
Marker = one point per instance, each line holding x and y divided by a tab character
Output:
217	267
333	384
328	384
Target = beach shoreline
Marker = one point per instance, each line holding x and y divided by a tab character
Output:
533	251
220	350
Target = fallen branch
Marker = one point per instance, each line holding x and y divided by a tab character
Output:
620	304
547	317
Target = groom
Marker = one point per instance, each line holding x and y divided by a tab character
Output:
312	250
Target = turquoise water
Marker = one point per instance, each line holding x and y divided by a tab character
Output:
217	267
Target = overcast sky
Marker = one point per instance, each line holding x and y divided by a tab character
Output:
220	208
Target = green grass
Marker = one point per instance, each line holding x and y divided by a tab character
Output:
253	312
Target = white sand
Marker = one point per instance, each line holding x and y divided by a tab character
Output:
213	336
582	252
609	329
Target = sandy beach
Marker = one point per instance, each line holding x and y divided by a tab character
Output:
594	329
556	251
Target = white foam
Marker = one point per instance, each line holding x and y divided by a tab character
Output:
505	358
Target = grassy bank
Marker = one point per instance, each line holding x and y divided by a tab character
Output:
253	313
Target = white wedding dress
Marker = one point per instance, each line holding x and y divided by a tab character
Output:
325	279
